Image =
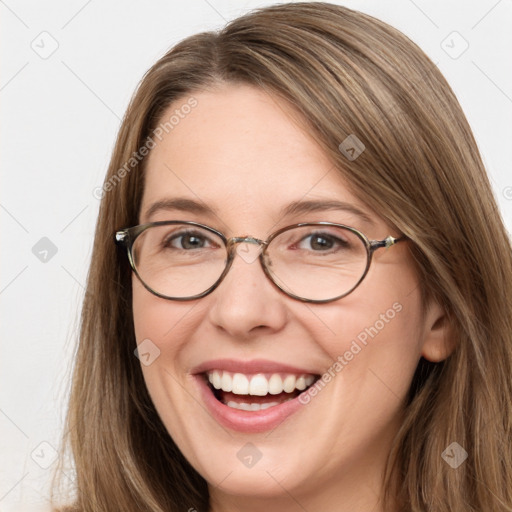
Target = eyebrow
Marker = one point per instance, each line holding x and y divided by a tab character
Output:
301	207
295	208
182	204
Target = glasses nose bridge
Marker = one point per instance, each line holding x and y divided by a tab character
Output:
245	255
233	248
232	242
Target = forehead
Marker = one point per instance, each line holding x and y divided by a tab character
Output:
243	153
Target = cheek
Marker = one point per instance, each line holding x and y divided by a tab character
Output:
373	339
160	327
160	330
159	320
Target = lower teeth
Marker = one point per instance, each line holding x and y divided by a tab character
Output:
243	406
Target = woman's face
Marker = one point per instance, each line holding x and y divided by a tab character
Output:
239	157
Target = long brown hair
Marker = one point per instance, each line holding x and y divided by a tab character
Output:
345	73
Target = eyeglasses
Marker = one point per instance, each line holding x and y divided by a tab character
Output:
311	262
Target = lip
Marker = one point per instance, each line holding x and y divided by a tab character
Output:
247	421
249	367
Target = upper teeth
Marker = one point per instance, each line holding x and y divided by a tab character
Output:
259	384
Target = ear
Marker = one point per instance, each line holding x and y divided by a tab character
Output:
438	340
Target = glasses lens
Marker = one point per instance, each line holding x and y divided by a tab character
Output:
317	262
179	260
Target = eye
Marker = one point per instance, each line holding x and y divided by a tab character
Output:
322	242
187	240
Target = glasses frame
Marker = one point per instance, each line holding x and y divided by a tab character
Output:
126	238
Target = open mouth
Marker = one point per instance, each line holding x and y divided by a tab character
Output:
256	392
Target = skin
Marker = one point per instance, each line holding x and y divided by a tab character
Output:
240	152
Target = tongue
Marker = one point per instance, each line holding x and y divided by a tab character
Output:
225	396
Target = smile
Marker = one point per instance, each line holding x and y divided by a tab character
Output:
251	396
256	392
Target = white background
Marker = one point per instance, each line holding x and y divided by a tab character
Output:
60	116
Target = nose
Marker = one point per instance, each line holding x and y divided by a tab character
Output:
246	303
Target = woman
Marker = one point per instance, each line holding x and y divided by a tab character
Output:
306	305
